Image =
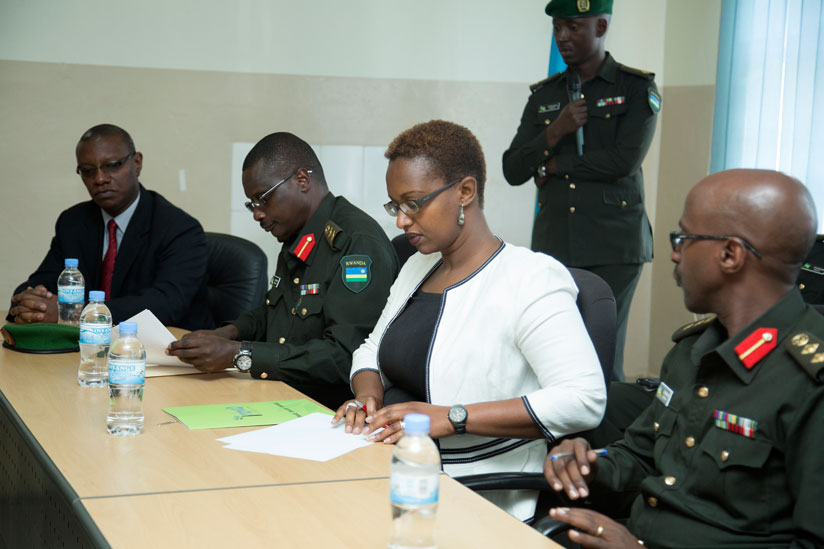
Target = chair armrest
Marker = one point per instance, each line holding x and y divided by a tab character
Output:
506	481
550	527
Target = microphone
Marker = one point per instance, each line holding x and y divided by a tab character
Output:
574	89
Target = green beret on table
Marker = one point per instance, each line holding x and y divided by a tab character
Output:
41	338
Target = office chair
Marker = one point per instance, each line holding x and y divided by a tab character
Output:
236	276
597	306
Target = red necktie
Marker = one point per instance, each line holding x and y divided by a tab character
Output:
108	260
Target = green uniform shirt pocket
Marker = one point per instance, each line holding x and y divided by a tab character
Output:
621	198
309	305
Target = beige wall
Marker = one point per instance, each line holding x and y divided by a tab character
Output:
188	79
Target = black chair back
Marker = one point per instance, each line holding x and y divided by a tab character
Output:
236	273
403	248
597	306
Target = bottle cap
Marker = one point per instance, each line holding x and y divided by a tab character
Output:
97	295
416	424
130	328
70	262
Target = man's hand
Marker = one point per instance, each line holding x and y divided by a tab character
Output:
572	116
573	473
594	530
34	305
205	351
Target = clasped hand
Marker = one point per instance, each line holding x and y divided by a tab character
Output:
390	418
34	305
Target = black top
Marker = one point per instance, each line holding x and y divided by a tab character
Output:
405	345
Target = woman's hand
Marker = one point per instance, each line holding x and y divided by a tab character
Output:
391	417
355	411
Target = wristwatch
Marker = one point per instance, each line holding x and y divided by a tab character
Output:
457	417
243	360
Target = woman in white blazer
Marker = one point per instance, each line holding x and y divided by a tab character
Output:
482	336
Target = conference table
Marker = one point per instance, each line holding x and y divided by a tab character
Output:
64	481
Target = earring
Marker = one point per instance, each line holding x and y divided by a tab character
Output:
461	217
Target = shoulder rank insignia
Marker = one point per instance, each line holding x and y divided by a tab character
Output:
356	272
304	246
808	351
735	424
538	85
330	231
756	346
646	75
654	100
692	328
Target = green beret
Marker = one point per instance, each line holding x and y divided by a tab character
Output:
570	9
41	338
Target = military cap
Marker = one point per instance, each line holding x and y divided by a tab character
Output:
41	338
571	9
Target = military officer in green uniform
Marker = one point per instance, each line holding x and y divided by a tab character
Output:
729	452
590	207
330	286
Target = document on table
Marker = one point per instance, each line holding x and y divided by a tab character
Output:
155	338
245	414
310	437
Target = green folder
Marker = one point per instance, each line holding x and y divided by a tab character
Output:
244	414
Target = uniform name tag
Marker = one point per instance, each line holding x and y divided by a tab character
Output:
810	268
549	108
664	394
275	281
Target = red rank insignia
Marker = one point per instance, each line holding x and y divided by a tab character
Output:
304	246
756	346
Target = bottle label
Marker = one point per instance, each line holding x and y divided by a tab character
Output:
413	489
95	334
71	294
127	371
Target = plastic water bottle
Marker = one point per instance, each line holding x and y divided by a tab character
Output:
71	293
95	337
127	374
415	471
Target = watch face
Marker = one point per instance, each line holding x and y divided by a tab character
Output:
243	363
457	414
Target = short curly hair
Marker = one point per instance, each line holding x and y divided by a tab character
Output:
452	151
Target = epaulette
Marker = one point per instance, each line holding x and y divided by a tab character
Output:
637	72
808	351
331	231
692	328
538	85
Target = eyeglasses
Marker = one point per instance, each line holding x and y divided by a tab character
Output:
87	172
676	239
414	206
264	198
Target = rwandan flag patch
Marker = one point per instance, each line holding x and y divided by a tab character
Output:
654	100
356	271
735	424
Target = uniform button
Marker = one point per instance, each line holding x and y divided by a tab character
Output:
282	340
296	280
690	442
572	185
653	502
267	301
608	115
264	375
303	311
725	455
623	203
656	426
539	204
546	153
572	209
566	176
669	481
546	121
801	286
293	310
703	392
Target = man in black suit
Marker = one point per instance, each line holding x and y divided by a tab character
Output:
144	252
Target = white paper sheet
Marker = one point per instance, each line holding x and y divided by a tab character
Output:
155	338
310	437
